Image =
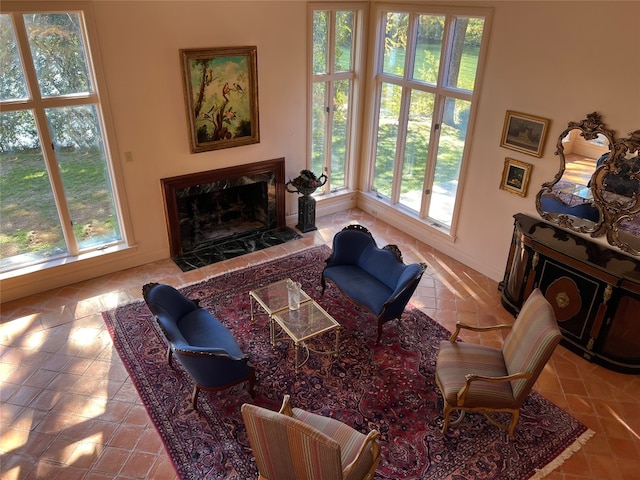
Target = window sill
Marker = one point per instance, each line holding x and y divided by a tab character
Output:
113	250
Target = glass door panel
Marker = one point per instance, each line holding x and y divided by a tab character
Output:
416	149
387	138
30	228
453	132
83	169
340	133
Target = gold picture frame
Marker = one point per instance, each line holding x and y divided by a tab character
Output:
524	133
515	176
221	96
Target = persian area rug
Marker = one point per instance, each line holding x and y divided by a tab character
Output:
389	387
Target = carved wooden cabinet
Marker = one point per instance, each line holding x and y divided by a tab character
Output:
594	290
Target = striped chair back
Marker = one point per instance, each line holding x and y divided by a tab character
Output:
530	342
288	449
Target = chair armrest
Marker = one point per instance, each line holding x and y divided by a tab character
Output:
464	326
207	352
372	442
286	409
407	283
462	393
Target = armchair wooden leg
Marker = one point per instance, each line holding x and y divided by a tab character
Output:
194	397
445	423
252	382
512	426
169	354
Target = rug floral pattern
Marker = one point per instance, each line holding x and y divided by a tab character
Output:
389	387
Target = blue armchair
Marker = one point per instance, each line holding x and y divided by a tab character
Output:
372	277
202	344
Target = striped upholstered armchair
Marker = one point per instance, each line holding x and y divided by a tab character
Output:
477	378
293	444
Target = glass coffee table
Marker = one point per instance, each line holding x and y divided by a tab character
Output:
301	325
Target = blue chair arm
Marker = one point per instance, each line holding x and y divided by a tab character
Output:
407	284
206	352
164	299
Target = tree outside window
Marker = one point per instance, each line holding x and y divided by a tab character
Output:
424	96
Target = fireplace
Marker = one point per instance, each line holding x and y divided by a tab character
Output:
213	207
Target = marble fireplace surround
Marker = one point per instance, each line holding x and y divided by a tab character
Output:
215	204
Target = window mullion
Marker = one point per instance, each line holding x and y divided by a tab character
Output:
25	56
434	141
51	162
403	122
330	95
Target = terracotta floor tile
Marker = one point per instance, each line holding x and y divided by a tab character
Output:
112	459
139	464
56	355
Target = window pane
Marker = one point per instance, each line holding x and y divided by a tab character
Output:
416	149
12	83
428	47
387	138
58	53
29	222
318	126
463	63
83	167
344	41
453	133
320	41
340	133
395	43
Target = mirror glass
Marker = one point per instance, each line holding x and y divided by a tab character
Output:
597	187
572	194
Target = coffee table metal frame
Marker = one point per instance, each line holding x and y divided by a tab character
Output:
301	325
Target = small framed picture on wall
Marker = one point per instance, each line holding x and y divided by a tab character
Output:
524	133
515	176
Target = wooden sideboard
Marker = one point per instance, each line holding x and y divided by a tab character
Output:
594	290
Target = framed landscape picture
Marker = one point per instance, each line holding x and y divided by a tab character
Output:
221	96
515	176
524	133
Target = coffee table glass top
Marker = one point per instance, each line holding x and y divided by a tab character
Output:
274	297
306	322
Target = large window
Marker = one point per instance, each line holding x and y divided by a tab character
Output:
335	40
56	184
425	78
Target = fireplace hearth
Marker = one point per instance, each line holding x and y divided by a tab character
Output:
224	213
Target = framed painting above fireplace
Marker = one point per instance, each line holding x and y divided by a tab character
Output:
221	96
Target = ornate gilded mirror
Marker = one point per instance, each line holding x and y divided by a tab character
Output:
597	187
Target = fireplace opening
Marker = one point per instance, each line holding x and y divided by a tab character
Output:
224	213
215	211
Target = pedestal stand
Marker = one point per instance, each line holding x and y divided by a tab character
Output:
306	213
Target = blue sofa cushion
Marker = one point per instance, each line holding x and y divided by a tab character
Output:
383	265
201	331
360	286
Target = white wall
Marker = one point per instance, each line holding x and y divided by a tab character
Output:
557	60
545	58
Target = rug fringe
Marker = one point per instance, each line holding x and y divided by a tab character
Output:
560	459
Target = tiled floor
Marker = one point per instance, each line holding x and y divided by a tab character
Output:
70	411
